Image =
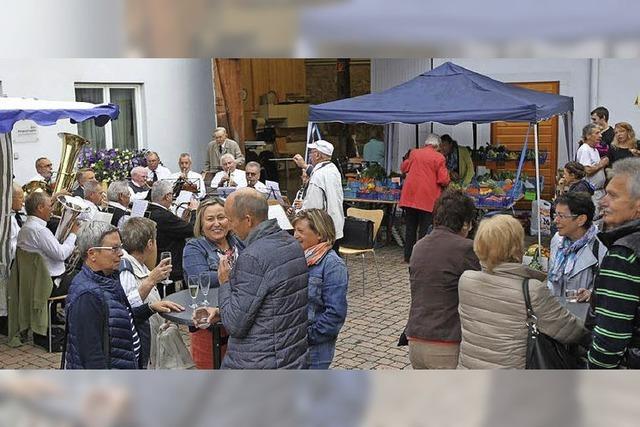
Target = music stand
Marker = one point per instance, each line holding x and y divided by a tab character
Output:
274	191
225	191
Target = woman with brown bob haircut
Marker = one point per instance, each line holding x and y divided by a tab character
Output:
492	307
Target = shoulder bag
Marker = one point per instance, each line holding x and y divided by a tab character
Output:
544	352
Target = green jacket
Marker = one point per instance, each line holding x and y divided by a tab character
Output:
28	290
465	165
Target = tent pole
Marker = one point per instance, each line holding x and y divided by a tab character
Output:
474	127
417	136
535	138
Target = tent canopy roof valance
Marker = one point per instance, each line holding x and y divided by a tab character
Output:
448	94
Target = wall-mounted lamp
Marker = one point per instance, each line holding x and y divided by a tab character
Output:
637	101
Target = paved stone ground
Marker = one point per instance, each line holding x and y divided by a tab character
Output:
367	340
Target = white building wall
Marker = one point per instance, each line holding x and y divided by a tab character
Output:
619	85
178	111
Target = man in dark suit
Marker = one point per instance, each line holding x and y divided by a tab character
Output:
172	230
119	198
83	176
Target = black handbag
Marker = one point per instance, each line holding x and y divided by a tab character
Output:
544	352
358	233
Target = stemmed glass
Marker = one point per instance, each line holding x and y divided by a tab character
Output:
204	287
164	255
194	286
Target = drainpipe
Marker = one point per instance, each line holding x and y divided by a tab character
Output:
594	83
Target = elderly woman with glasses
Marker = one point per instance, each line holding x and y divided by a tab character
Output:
213	240
102	325
328	282
492	305
576	251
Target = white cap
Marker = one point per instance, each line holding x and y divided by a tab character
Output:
322	146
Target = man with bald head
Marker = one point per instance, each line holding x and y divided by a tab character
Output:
263	297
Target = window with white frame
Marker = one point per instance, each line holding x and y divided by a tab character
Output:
123	133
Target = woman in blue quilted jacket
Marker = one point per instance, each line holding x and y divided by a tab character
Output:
102	325
328	280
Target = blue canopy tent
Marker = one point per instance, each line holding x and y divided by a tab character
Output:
44	113
450	94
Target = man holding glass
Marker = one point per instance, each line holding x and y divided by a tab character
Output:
263	297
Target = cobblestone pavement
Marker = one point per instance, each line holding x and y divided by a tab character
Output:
367	340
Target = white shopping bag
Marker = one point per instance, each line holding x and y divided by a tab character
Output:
545	218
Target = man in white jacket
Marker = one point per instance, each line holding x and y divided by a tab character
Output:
325	184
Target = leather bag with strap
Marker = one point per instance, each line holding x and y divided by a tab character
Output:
544	352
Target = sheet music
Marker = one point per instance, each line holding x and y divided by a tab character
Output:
277	212
138	208
103	217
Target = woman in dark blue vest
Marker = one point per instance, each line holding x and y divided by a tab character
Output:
101	324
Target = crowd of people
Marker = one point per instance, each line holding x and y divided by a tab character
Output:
282	296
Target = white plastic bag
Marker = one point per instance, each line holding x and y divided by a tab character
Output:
545	218
172	353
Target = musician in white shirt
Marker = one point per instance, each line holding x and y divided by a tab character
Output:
252	172
34	236
229	176
156	171
138	185
44	169
184	163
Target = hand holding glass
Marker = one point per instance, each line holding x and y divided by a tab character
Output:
165	255
571	295
201	316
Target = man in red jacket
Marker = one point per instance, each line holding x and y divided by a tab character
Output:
427	175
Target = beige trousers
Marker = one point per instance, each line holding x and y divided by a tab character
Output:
426	355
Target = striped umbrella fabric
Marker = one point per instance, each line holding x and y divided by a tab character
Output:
44	113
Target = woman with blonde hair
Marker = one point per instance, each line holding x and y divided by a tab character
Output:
328	280
212	241
492	306
624	144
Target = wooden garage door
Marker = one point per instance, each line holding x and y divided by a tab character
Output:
512	135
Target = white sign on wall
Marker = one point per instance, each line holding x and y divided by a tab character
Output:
24	131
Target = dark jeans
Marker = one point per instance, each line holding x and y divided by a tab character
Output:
417	222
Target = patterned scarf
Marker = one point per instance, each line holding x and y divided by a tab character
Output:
565	258
316	252
452	159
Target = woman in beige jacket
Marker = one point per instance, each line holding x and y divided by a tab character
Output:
492	308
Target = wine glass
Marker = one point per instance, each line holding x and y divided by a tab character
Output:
194	286
164	255
204	286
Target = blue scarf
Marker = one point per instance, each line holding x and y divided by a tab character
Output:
565	258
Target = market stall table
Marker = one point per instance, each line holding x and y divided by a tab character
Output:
389	206
185	317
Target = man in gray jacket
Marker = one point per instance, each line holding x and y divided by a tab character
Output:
263	294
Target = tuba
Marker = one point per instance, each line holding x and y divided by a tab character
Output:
71	145
72	207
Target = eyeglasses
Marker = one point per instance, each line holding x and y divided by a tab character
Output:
563	216
114	249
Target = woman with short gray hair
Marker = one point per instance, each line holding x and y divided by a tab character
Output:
139	284
102	325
